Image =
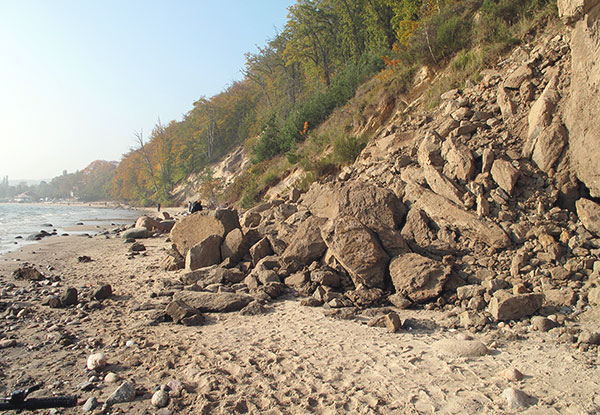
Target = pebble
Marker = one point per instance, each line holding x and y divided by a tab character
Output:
164	411
160	399
124	393
4	344
175	387
393	322
462	348
111	377
85	386
103	292
511	374
515	398
96	361
130	343
69	297
542	323
90	404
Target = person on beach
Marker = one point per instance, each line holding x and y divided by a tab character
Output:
196	207
158	207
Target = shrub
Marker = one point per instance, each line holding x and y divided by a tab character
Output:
346	149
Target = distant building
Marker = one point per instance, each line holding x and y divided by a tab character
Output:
24	197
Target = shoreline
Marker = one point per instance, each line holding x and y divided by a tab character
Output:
24	220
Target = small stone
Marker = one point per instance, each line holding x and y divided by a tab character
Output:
52	301
504	306
90	404
511	374
462	348
6	343
253	309
103	292
137	247
400	301
588	337
542	323
130	343
160	399
124	393
111	377
515	398
164	411
393	322
310	302
69	297
175	388
96	361
85	386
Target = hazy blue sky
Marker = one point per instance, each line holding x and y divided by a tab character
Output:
79	77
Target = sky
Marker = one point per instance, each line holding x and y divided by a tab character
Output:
79	77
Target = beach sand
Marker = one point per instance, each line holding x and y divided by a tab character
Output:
291	360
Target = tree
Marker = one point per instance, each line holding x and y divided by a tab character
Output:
311	28
139	136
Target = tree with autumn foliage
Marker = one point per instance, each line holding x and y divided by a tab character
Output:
314	65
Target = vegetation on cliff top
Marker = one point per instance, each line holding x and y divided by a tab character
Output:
310	70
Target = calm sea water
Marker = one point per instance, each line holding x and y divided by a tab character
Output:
17	219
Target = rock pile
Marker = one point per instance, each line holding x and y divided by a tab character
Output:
475	208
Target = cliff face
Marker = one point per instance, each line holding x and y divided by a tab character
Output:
583	101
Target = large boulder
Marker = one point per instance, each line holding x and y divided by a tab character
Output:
206	275
181	312
589	215
572	10
235	245
377	208
441	185
149	223
429	152
29	273
517	77
506	103
205	253
505	175
546	135
583	100
540	114
549	146
306	246
135	233
443	212
506	306
460	163
260	250
198	226
357	250
208	302
418	278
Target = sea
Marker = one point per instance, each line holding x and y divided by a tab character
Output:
19	220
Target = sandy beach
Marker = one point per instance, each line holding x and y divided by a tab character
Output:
291	359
